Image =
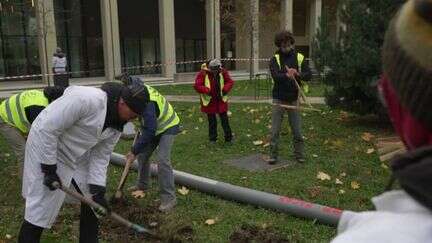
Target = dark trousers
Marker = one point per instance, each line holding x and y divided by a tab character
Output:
213	126
61	79
89	228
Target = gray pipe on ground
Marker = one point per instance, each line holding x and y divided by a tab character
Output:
296	207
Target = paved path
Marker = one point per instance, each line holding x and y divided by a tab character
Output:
237	99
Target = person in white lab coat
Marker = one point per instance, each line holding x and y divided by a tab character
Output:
406	87
70	142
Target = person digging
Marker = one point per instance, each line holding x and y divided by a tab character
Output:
70	144
287	66
159	125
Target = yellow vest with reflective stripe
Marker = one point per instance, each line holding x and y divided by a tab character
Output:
205	98
167	116
12	110
300	59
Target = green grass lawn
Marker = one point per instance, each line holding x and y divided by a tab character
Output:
333	146
241	88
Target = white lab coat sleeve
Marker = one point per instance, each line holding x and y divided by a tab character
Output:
58	117
99	160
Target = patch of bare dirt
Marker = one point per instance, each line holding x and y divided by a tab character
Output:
250	233
148	217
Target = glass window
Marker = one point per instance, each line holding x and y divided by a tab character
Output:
33	55
18	35
299	17
79	35
148	55
189	54
12	18
180	55
15	56
140	45
132	55
2	71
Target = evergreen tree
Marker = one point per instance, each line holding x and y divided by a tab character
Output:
351	65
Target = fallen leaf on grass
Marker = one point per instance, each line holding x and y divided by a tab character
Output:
369	151
384	166
184	191
323	176
338	182
184	132
210	221
315	155
257	121
8	236
258	142
196	128
200	119
266	145
153	224
138	194
337	143
355	185
367	136
7	154
343	174
248	135
229	113
343	116
314	191
269	126
341	191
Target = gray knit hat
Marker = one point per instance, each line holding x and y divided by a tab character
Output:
407	58
215	63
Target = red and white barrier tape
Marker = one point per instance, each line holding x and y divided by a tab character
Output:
135	67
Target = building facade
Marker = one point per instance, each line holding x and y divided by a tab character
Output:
102	38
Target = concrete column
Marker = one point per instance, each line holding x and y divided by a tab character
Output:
167	37
47	41
254	13
315	15
287	15
213	28
111	40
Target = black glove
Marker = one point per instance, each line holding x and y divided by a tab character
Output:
98	196
50	176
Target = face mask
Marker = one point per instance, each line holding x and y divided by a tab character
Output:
287	49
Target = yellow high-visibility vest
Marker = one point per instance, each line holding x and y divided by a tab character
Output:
206	98
167	116
12	110
300	59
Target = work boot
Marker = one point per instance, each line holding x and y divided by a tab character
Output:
166	207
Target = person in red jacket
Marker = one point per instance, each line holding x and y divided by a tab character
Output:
213	83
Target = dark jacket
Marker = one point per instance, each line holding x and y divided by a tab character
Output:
149	124
284	88
413	170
